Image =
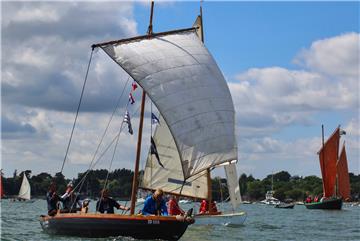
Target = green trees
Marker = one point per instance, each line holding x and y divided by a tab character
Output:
119	184
289	187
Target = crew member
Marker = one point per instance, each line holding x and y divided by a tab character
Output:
155	204
107	204
52	200
173	207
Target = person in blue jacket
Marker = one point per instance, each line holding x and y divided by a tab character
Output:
155	204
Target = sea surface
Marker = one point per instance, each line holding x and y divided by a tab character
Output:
20	221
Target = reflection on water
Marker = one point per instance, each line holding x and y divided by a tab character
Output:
20	221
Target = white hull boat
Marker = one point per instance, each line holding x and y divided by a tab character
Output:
220	219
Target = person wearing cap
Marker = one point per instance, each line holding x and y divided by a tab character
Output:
107	204
71	201
155	204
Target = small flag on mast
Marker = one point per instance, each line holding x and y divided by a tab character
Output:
127	120
134	86
131	99
154	119
153	151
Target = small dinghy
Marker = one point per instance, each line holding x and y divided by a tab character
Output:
285	205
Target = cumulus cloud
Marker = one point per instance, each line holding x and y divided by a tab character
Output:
336	56
47	47
277	97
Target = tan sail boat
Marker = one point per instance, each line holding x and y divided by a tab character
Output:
334	172
182	79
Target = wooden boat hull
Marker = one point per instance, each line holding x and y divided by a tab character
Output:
332	204
106	225
220	219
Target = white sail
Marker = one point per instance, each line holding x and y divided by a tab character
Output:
24	192
233	185
184	82
170	177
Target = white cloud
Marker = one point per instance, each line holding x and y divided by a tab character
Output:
42	13
335	56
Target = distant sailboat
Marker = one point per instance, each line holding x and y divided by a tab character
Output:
334	172
25	189
269	196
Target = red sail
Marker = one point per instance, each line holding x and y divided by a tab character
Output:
328	156
343	175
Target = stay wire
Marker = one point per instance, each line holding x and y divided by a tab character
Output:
82	181
112	158
77	111
99	158
105	131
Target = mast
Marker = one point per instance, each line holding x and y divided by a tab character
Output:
201	22
138	150
208	170
323	157
209	189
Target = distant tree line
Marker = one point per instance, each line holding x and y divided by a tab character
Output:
286	186
120	181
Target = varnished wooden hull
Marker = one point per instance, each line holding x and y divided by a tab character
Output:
106	225
334	204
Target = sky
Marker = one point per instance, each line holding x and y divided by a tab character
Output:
290	67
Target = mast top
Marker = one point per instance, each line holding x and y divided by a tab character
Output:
150	28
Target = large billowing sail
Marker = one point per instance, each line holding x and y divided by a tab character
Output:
24	192
170	176
328	156
233	185
343	175
184	82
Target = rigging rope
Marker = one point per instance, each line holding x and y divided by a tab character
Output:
92	165
103	136
77	111
112	158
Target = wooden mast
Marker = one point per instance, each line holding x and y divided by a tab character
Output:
323	158
201	22
138	150
209	190
208	170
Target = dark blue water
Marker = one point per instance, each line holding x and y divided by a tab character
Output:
19	221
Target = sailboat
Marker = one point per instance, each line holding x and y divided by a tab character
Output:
25	190
335	175
182	79
269	196
198	141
